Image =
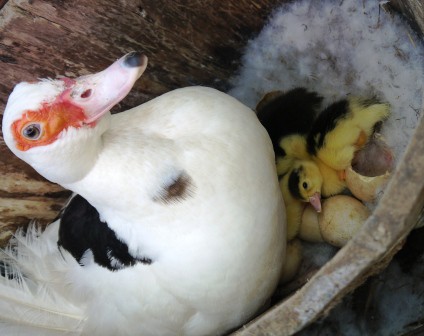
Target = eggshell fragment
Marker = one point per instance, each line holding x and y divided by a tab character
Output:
309	228
292	262
370	169
365	188
375	158
341	217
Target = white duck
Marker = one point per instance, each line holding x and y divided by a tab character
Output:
186	181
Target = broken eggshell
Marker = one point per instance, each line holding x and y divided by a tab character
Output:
365	188
370	169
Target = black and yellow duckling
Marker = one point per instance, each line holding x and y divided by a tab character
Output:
343	128
288	118
300	180
283	114
313	152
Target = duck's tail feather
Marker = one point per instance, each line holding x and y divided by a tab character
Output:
30	302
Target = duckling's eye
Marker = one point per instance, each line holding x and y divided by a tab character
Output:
305	185
32	131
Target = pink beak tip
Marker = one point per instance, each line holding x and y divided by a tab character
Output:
315	201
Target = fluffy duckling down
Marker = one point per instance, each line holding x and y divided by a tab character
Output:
312	159
300	181
289	117
343	128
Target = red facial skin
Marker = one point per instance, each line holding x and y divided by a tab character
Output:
53	118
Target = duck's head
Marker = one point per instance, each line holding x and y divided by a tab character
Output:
305	183
56	126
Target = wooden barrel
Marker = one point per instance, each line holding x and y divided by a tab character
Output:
188	44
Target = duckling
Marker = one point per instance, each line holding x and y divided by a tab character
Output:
313	152
300	185
288	117
292	112
336	135
343	128
300	180
332	181
294	148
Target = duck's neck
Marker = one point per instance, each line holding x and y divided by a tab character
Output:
72	156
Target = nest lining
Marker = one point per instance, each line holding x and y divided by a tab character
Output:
340	49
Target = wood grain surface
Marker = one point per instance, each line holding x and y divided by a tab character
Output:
196	42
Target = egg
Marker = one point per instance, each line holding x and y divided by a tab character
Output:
341	218
309	227
370	169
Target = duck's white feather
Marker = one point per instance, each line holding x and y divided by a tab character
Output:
200	242
217	251
30	302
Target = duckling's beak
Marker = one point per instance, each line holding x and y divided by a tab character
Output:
315	201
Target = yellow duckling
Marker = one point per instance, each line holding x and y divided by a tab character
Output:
289	117
311	159
300	185
343	128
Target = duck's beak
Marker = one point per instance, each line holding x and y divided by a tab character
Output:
315	201
96	94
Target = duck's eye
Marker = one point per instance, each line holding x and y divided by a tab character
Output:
305	185
32	131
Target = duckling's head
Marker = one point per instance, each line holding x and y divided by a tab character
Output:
305	182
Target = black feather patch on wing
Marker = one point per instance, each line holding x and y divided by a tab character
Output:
81	230
289	113
293	183
325	123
